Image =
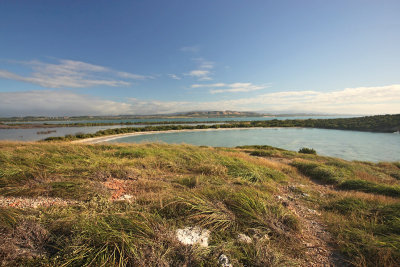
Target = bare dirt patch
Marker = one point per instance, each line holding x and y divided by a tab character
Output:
317	241
23	202
119	188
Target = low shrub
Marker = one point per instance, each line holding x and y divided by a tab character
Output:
305	150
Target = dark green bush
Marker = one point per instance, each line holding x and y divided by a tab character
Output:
305	150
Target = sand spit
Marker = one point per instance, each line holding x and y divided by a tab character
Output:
107	138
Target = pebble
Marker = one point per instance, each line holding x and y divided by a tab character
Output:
224	261
244	238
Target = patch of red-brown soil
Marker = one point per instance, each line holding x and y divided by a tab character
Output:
119	188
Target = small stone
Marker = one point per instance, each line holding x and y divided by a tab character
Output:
125	197
224	260
244	238
193	235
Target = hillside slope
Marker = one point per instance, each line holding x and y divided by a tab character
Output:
64	204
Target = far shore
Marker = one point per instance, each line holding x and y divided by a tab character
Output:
107	138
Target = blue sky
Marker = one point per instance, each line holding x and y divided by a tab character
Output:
141	57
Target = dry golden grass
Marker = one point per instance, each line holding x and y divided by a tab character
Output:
224	189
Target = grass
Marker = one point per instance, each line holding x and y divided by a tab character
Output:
371	234
322	172
369	187
229	191
342	175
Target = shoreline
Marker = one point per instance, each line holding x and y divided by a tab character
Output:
101	139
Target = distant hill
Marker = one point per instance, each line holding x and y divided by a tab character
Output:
226	113
191	114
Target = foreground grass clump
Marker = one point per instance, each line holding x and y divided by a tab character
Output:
370	187
322	172
121	205
371	232
344	176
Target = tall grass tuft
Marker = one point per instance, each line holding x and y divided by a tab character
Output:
321	172
108	240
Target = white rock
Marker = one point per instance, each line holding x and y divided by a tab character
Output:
224	260
244	238
125	197
193	235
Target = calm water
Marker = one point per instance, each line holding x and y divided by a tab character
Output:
32	135
350	145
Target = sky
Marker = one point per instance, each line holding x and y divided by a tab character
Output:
100	57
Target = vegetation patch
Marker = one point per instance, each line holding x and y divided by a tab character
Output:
369	233
321	172
369	187
305	150
134	198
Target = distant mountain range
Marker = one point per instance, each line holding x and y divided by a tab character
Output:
226	113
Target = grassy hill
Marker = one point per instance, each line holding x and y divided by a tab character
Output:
64	204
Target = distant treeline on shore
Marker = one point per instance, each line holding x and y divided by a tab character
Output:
378	123
90	124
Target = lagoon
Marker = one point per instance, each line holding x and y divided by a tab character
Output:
31	134
349	145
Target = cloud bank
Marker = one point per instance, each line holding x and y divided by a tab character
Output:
72	74
230	88
359	100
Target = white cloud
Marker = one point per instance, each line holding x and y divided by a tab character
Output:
208	85
230	88
360	100
57	103
202	72
133	76
71	74
174	76
201	75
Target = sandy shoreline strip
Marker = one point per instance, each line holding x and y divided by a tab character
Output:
107	138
